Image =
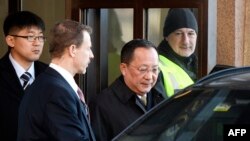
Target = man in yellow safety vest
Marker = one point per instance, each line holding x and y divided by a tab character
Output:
178	63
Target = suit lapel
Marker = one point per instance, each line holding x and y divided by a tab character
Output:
10	78
140	105
51	71
87	120
83	110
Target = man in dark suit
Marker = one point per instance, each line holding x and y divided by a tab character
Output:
53	108
130	95
24	36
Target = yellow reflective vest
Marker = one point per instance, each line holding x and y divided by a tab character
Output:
174	77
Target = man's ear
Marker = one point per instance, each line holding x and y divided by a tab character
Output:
10	41
166	38
123	68
72	50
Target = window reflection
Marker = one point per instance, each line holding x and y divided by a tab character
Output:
156	19
3	14
51	11
120	31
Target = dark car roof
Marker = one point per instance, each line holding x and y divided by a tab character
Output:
224	77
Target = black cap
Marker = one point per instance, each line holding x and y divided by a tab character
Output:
179	18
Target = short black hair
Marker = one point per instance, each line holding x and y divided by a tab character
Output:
129	48
20	20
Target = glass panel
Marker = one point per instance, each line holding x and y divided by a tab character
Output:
120	31
154	28
156	19
50	11
3	14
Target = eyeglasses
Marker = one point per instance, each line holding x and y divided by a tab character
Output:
32	38
145	69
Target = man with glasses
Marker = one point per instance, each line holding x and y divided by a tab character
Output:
132	94
24	35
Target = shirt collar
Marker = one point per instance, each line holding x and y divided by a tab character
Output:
66	75
141	96
20	70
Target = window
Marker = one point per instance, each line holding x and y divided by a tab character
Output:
3	14
143	17
51	11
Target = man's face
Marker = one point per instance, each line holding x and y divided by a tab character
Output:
22	50
84	54
183	41
141	73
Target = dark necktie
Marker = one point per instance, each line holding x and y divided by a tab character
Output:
25	77
81	96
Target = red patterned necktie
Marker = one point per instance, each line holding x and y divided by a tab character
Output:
81	96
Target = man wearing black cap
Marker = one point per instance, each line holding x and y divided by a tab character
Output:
176	51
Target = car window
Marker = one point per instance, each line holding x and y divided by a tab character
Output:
192	115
